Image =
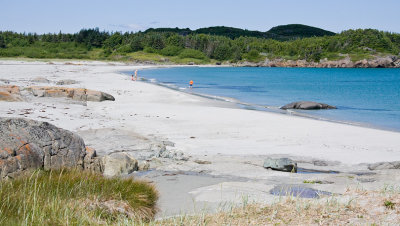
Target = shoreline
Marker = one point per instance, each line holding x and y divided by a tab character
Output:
389	61
255	107
223	146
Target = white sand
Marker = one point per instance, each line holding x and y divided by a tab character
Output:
234	140
218	127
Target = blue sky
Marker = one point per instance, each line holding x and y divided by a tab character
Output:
42	16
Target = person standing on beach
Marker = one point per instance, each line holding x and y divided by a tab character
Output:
136	75
191	83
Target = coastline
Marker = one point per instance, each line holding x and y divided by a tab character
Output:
252	106
181	97
225	145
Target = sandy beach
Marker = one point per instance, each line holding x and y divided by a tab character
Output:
223	146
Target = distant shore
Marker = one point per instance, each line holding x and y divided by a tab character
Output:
389	61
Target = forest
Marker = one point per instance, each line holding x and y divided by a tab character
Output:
202	46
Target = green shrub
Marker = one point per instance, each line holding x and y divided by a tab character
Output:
125	49
192	53
253	56
148	49
171	51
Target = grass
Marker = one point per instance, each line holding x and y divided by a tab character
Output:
389	204
70	197
360	56
312	182
355	207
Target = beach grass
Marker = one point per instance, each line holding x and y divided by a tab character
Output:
72	197
355	207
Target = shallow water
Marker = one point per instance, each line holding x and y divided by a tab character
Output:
369	97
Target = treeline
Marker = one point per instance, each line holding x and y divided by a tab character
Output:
281	33
175	45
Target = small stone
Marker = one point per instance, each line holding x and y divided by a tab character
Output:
66	82
202	162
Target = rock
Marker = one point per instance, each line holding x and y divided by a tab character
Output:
40	80
158	149
29	144
298	191
320	163
384	165
5	81
66	82
91	162
143	166
174	154
118	164
169	143
280	164
307	105
73	93
202	162
10	93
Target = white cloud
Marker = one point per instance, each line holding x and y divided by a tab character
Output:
129	27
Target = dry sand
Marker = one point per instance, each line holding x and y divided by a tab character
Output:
234	140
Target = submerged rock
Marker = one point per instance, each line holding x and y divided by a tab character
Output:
29	144
280	164
307	105
73	93
297	191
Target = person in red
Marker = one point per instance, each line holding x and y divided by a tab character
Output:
191	83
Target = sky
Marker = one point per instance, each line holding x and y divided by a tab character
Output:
69	16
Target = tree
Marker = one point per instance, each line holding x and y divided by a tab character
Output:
2	42
113	41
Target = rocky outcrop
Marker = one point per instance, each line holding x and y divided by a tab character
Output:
377	62
80	94
40	80
118	164
384	165
307	105
29	144
280	164
10	93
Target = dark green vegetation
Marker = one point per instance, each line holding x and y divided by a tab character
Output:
74	198
205	45
282	33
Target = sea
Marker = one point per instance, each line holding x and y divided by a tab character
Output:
365	97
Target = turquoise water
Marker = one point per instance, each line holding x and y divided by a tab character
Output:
370	97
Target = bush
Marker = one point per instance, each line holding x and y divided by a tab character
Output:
192	53
149	50
253	56
125	49
171	51
75	198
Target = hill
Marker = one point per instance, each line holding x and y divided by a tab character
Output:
291	31
282	32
